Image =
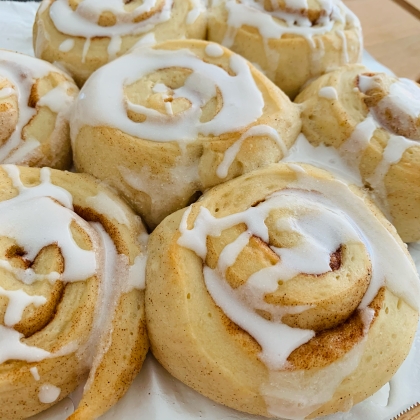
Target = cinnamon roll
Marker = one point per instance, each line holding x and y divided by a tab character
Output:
373	120
71	292
292	41
35	99
83	35
164	123
281	293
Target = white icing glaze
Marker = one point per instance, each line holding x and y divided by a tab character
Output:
323	157
52	225
232	151
18	301
48	393
86	47
198	7
394	150
345	54
147	40
404	101
273	24
22	71
35	373
11	348
6	92
296	395
114	47
137	273
37	217
212	50
23	151
366	83
93	106
352	149
83	22
333	216
67	45
328	92
114	280
182	177
104	204
405	96
58	99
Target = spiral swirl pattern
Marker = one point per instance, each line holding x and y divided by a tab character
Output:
85	34
291	40
70	266
35	98
288	285
373	121
181	123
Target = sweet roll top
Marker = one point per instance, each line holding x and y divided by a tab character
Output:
71	295
35	100
297	277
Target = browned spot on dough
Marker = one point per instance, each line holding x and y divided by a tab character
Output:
335	259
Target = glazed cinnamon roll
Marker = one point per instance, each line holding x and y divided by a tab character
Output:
373	120
292	41
83	35
281	293
35	100
163	124
71	292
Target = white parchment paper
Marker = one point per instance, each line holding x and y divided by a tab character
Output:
155	394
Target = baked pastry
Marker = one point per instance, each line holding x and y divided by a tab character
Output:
71	295
292	41
373	120
164	123
83	35
35	99
281	293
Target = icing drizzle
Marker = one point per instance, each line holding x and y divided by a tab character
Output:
93	106
22	72
84	20
333	216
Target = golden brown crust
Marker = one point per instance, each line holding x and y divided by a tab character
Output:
178	172
333	122
47	38
218	358
65	322
290	60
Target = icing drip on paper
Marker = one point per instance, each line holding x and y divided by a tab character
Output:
22	72
200	87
